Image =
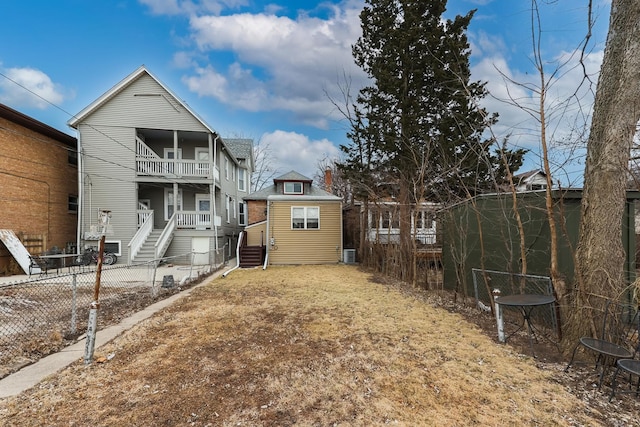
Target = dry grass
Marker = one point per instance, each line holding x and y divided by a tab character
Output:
321	345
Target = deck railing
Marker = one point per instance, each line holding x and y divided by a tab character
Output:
193	219
168	167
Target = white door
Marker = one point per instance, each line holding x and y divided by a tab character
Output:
203	211
200	249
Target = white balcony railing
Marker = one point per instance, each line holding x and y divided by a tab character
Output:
181	168
197	220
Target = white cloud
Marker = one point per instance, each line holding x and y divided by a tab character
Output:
570	97
281	63
190	7
294	151
28	87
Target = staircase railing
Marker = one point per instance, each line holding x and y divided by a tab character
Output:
141	235
165	238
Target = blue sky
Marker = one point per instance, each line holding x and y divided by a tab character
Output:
267	70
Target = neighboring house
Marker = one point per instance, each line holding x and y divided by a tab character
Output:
294	222
38	185
170	183
530	181
383	223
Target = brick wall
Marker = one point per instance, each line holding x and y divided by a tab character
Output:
256	210
36	181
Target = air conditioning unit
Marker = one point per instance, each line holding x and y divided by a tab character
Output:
349	256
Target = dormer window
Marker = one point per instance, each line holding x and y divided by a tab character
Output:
293	188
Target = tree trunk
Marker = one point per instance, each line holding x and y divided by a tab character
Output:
600	255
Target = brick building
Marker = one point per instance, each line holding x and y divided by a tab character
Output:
38	183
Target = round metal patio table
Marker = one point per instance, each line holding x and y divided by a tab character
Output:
526	303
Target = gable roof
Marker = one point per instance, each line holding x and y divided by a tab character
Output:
526	176
119	87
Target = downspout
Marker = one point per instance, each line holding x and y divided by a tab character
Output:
213	146
268	242
80	193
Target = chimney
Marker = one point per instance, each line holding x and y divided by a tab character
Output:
328	181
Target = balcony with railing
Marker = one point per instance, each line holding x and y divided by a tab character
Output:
148	163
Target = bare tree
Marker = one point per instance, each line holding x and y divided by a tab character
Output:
263	171
329	177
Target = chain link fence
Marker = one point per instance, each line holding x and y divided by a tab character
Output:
42	314
486	281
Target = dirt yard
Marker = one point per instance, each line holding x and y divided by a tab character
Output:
317	346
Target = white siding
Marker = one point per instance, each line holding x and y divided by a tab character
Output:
144	104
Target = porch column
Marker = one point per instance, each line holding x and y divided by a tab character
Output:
176	165
175	197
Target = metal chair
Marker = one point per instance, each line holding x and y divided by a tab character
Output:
631	367
618	340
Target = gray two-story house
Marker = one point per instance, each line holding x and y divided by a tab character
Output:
168	183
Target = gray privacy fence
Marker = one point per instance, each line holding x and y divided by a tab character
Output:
45	313
485	281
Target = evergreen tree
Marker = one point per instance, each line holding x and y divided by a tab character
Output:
423	119
419	122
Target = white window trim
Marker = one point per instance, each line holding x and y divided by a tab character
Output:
226	168
293	188
199	150
166	202
227	207
171	150
243	172
306	217
118	242
235	209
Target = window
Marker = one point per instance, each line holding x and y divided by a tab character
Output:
242	217
73	204
202	159
535	187
292	188
242	179
169	203
227	207
235	212
113	246
72	157
226	168
305	217
170	154
233	172
389	219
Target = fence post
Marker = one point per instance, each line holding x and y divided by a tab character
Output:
499	320
74	303
193	256
92	326
154	290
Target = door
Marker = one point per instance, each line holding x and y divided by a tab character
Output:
200	250
170	154
203	211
